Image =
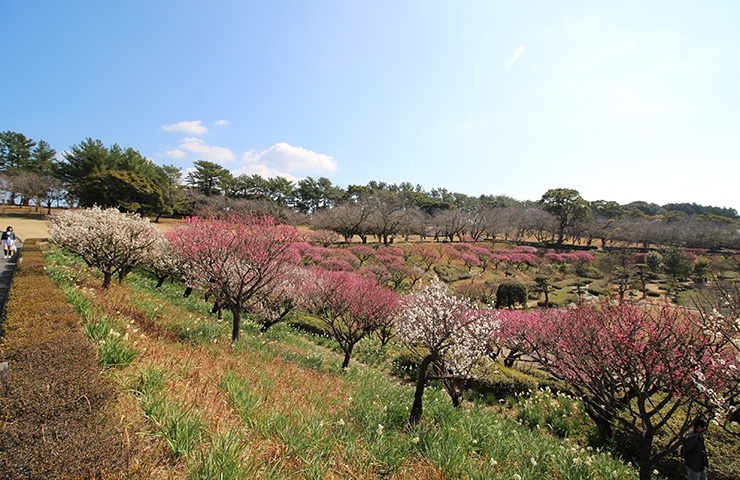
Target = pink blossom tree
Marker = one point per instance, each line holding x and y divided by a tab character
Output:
447	334
635	367
238	258
111	241
516	335
324	238
351	306
485	257
425	255
363	253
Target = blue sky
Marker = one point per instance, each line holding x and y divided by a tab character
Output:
619	100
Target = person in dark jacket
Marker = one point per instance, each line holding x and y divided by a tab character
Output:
694	452
8	239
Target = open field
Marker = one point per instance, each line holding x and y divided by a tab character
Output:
27	227
34	226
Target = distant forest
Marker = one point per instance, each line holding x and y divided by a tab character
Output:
91	173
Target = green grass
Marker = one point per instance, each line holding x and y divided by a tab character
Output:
222	459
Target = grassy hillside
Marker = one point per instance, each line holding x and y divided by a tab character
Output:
178	400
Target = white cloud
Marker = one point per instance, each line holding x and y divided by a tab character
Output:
517	53
205	151
263	171
193	127
287	158
222	123
176	153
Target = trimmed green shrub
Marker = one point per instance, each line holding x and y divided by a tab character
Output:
509	294
503	383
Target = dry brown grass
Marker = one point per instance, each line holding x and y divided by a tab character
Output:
284	387
194	380
60	417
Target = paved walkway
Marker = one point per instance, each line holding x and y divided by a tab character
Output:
7	270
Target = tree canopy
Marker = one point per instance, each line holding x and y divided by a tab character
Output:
567	206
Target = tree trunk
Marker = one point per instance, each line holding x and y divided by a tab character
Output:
160	282
237	313
107	277
347	356
601	418
452	385
418	407
645	445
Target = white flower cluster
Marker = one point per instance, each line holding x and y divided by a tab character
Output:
107	239
433	320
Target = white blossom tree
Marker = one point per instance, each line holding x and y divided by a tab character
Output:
111	241
447	334
279	301
165	262
720	309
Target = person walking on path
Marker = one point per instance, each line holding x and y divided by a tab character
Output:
9	238
694	451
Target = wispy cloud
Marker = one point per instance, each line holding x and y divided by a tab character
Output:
287	158
222	123
188	127
176	154
263	171
517	53
202	149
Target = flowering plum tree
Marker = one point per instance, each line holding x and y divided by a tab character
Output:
720	309
324	238
516	257
568	257
425	255
277	302
164	262
237	258
447	334
635	367
350	305
312	254
515	336
485	257
363	253
111	241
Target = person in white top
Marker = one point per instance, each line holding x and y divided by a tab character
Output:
9	239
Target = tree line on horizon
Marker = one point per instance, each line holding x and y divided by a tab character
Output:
89	173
